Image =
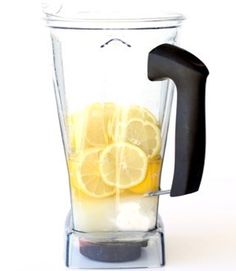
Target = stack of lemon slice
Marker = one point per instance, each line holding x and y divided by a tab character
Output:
112	149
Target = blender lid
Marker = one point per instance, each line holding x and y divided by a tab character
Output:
108	14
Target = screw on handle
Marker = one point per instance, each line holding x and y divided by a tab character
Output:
189	75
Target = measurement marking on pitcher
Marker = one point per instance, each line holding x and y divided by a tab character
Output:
116	39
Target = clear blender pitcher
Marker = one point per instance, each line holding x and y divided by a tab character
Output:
114	79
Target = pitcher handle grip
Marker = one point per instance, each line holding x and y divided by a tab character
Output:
189	75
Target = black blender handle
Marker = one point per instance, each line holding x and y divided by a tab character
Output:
189	75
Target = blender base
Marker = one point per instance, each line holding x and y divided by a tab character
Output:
114	250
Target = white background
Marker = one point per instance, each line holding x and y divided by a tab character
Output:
34	198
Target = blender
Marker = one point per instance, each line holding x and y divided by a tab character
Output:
114	77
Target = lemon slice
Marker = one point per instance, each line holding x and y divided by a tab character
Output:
85	175
91	127
124	114
144	134
138	112
123	165
151	182
95	126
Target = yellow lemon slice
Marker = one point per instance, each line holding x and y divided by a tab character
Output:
85	175
143	134
94	123
123	165
151	182
90	127
138	112
124	114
